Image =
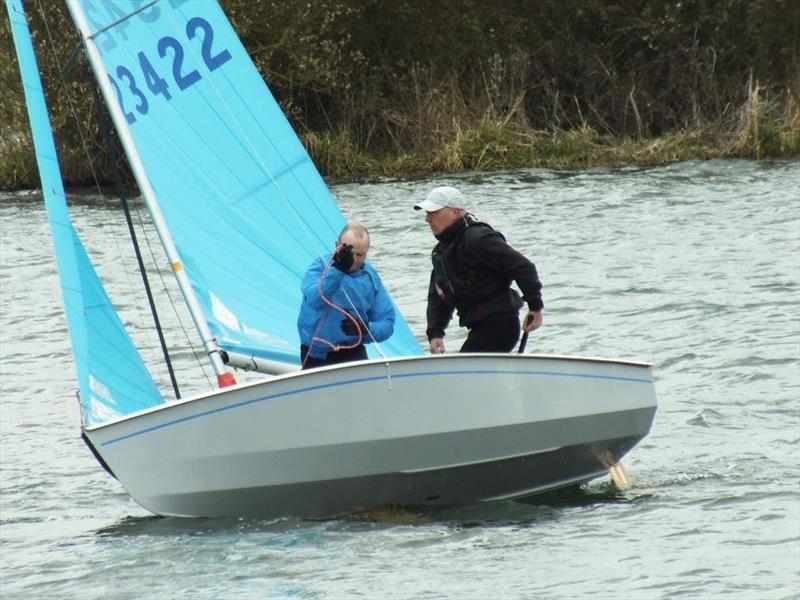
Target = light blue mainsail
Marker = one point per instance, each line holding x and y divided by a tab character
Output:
112	378
243	202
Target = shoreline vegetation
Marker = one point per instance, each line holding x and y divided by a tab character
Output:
409	88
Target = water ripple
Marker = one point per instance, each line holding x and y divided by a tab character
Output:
691	266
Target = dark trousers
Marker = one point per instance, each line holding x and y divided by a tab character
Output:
333	358
496	333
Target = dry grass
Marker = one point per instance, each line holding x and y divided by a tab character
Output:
439	131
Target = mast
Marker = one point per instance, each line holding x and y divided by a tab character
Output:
176	264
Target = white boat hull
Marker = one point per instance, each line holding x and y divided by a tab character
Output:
440	430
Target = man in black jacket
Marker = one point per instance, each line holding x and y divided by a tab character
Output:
473	267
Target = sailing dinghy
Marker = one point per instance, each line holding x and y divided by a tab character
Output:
241	212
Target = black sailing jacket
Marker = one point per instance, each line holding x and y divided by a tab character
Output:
473	267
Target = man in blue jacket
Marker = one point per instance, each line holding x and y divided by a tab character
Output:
344	304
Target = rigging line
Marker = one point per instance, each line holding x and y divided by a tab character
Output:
375	342
84	143
157	260
174	28
254	152
85	146
330	303
121	19
104	130
128	140
209	182
244	136
71	61
172	303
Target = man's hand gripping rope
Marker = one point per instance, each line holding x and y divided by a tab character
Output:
343	260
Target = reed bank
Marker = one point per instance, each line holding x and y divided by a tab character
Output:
411	87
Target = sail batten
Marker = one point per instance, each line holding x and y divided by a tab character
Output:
240	198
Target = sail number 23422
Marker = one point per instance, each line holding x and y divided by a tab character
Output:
147	79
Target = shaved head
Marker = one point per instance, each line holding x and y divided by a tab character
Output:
356	236
356	231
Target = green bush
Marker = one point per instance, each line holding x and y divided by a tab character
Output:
376	87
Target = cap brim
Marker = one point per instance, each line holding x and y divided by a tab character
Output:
428	206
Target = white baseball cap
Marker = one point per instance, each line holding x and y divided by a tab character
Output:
441	197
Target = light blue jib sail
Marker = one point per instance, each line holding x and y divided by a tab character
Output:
246	207
112	378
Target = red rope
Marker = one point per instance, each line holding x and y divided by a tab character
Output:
334	347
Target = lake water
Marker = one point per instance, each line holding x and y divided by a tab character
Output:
694	267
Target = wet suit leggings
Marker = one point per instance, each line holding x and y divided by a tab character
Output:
357	353
496	333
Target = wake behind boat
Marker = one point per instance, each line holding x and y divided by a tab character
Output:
223	175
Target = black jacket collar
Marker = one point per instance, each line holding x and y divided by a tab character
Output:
456	229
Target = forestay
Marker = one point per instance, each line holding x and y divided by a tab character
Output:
246	207
112	378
